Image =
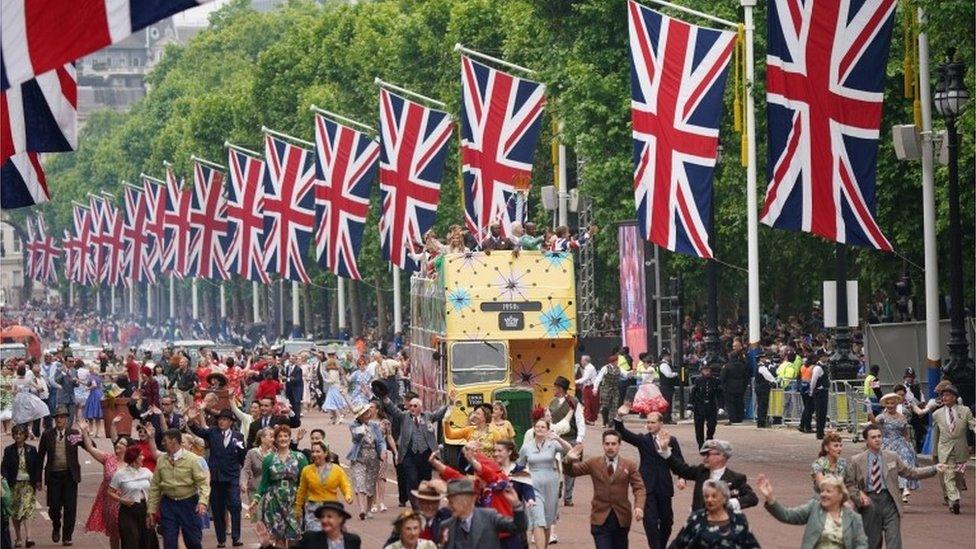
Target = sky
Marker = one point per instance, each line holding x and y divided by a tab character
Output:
198	15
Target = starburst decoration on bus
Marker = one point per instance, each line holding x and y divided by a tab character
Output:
459	298
555	259
511	286
555	321
525	375
470	260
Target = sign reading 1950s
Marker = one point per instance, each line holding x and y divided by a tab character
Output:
531	296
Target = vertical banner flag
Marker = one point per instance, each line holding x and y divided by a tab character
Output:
83	230
208	223
22	181
71	252
112	240
42	35
29	247
500	119
413	148
136	236
176	225
40	115
96	214
244	241
289	207
824	89
155	224
47	252
345	164
677	81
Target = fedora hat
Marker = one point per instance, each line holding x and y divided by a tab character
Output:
332	506
561	382
379	388
898	399
226	414
430	490
217	376
460	486
949	388
60	411
360	410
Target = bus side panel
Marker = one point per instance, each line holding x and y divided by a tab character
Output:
535	364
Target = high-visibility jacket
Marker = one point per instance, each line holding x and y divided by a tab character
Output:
806	372
786	373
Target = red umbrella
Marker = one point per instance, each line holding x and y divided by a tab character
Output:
24	335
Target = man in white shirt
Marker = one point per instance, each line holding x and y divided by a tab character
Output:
586	383
562	405
375	358
668	380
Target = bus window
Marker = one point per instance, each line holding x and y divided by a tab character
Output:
475	362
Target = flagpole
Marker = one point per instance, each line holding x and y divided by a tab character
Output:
473	53
752	200
933	344
415	95
195	158
563	188
698	13
149	300
340	118
223	301
230	145
255	303
172	296
341	301
111	292
195	299
132	298
300	141
397	302
71	294
295	322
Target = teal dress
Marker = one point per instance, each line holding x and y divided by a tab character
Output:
277	491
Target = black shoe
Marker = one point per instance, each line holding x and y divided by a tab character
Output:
56	535
237	543
362	516
954	507
221	544
29	543
66	543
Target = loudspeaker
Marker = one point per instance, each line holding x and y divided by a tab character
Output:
574	200
906	142
942	153
549	197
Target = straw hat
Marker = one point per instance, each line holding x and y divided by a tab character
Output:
891	397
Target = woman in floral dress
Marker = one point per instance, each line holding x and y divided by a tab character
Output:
280	473
368	448
894	429
359	388
830	463
23	480
104	516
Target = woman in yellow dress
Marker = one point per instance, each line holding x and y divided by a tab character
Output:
320	481
477	430
499	422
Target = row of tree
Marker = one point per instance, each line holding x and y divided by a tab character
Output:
251	69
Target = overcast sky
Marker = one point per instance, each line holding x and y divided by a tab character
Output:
198	15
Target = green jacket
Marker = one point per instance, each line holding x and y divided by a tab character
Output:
813	516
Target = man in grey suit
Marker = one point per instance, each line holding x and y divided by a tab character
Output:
471	527
418	437
872	479
949	426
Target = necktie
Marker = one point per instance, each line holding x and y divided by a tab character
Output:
952	418
60	436
226	438
876	475
610	469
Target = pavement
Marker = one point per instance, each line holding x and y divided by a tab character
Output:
784	455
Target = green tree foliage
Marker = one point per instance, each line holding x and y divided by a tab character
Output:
251	69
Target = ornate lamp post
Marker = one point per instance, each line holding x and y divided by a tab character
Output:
951	98
714	355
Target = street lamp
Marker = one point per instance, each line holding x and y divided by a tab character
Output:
714	354
951	98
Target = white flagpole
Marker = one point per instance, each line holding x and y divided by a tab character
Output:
223	302
563	189
415	95
255	303
98	299
132	298
341	301
172	297
295	298
933	346
149	300
195	299
71	293
397	301
752	200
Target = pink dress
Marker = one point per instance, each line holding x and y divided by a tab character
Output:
104	515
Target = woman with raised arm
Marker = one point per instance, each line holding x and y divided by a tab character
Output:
829	523
539	455
104	516
129	488
321	481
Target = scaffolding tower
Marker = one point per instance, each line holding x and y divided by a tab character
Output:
585	289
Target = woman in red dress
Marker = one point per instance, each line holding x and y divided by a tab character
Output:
104	516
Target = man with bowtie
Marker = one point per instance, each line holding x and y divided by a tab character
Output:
225	459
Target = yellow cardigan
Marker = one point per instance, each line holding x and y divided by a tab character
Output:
311	488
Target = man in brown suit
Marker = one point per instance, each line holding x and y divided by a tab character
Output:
58	455
872	479
612	513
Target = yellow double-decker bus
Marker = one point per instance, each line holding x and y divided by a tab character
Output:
499	326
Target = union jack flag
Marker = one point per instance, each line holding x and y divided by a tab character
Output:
345	164
677	79
824	90
96	242
40	115
413	148
500	119
137	236
208	223
22	181
155	195
72	252
47	252
83	232
42	35
289	208
30	247
112	239
244	241
176	225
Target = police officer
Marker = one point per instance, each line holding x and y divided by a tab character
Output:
820	392
706	398
668	378
764	381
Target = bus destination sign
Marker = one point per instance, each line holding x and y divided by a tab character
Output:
511	306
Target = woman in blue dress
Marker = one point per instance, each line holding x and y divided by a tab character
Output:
93	404
894	428
359	389
539	455
334	385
